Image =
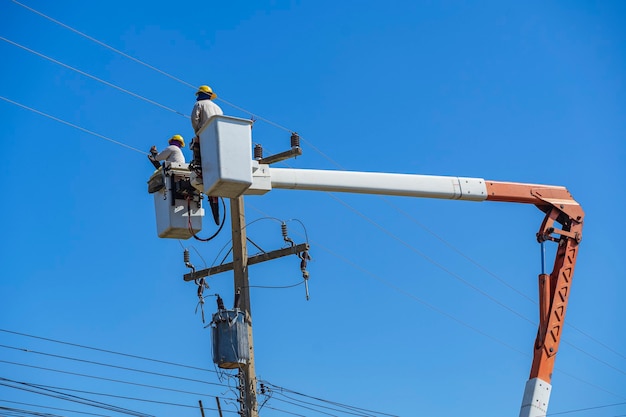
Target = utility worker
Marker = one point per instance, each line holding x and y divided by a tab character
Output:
202	111
172	153
204	108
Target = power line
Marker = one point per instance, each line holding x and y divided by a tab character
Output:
307	408
280	389
102	43
73	125
111	379
25	386
94	77
54	388
284	411
19	411
337	404
107	351
54	408
298	403
578	410
110	366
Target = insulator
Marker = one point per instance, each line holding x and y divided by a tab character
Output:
220	303
186	256
295	140
283	229
258	151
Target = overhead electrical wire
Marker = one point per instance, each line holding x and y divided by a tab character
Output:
59	390
309	406
53	408
140	358
110	379
275	388
102	43
286	412
22	412
279	389
73	125
578	410
94	78
24	386
109	365
128	355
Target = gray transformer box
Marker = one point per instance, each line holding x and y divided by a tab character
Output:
231	349
226	153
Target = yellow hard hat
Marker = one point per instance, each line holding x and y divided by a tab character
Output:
206	90
179	139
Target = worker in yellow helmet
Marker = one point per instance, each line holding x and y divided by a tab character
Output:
202	111
172	153
204	108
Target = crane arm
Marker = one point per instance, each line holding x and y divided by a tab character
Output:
555	201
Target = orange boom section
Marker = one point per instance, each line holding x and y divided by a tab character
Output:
554	289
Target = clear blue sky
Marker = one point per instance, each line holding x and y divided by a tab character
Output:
418	307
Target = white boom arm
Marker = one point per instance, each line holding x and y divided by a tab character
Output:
451	188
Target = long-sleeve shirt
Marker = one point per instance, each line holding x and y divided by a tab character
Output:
171	154
202	112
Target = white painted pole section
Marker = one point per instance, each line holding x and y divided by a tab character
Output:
451	188
536	398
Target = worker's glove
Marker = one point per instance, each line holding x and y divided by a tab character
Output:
153	150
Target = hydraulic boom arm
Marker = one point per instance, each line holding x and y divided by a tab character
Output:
555	201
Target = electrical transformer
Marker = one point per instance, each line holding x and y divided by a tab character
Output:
231	349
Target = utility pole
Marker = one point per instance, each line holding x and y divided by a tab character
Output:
239	265
247	375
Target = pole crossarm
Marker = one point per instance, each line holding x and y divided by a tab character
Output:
268	256
272	159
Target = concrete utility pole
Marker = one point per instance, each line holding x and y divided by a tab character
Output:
249	406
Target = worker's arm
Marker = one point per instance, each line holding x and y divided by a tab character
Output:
163	155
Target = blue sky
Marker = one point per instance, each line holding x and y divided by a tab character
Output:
418	307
